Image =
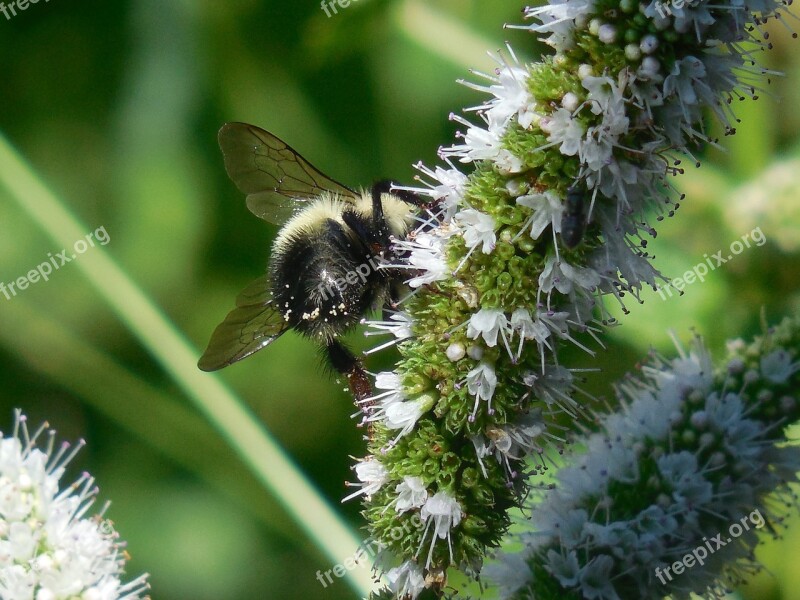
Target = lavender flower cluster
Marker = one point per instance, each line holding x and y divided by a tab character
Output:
693	450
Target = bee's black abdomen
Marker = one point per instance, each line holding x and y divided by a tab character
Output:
324	283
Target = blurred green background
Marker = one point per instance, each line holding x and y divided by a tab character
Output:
117	105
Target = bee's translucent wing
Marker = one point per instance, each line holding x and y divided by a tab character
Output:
277	180
254	324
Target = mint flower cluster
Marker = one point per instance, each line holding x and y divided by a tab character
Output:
50	548
694	453
568	160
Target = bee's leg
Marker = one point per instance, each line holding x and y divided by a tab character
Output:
378	220
343	361
384	186
364	229
395	291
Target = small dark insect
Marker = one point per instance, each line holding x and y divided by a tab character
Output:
323	273
573	221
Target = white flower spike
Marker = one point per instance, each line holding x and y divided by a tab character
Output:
50	547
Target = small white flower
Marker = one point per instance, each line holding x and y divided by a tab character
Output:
777	366
528	329
605	99
407	580
48	547
511	95
399	325
564	568
391	382
555	386
523	438
512	442
693	84
688	485
558	18
596	579
547	211
603	92
444	513
521	322
478	229
566	278
427	256
618	254
564	130
487	322
372	475
411	493
481	382
685	75
404	415
510	573
483	448
447	188
483	144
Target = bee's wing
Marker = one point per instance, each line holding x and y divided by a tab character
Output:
277	180
254	324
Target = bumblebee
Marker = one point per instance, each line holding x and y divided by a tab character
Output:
328	265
